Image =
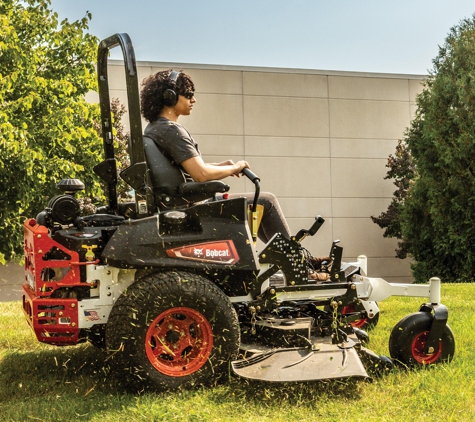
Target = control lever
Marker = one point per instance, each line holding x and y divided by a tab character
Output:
336	254
302	234
254	178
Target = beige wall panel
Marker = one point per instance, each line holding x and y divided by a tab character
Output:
216	81
116	75
216	113
210	80
306	207
278	116
121	94
362	148
415	87
368	119
368	88
360	178
223	145
390	267
271	146
294	178
285	84
360	236
142	73
359	207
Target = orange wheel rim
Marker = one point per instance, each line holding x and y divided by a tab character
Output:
418	346
179	342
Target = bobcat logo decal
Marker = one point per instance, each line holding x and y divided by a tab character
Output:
198	252
219	252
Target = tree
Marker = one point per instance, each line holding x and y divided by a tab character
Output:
437	215
46	125
402	170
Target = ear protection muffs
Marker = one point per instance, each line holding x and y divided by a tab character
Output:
170	97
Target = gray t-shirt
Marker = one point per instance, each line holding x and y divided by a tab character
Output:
172	139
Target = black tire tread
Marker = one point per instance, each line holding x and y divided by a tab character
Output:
405	331
127	323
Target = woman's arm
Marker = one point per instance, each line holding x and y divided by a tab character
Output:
203	172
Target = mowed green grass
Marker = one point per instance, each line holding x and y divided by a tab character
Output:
46	383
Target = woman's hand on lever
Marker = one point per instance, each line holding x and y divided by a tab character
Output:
241	165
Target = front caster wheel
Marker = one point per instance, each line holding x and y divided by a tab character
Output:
408	339
172	329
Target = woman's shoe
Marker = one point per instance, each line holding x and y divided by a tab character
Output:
318	276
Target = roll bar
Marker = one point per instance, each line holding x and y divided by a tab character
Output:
107	170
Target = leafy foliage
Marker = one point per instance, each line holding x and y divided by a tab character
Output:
402	170
437	212
46	125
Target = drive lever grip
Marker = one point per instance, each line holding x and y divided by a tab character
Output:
254	179
250	175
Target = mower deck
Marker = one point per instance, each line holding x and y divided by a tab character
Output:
320	360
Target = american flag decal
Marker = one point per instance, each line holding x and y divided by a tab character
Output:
91	315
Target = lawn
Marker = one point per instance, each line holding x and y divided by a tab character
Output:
46	383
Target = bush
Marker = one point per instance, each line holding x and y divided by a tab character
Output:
435	216
46	125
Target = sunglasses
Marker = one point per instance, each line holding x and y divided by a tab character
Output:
188	95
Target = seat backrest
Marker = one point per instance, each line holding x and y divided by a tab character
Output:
166	177
170	187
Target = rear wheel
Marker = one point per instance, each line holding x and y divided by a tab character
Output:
179	342
408	339
173	329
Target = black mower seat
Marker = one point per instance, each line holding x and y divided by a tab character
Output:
170	187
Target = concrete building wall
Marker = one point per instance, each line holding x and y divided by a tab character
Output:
319	141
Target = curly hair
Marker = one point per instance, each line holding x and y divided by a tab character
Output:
153	87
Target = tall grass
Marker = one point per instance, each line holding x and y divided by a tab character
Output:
46	383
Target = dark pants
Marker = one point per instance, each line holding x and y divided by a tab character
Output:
273	220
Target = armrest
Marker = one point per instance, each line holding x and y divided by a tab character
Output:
203	188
